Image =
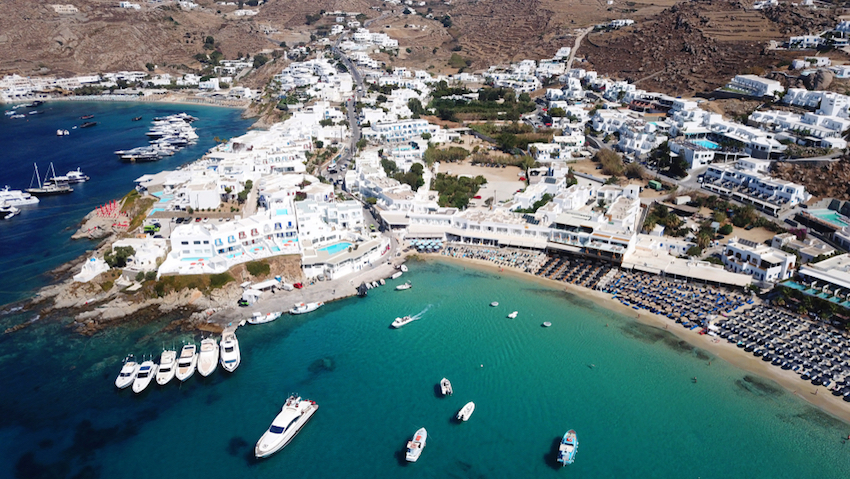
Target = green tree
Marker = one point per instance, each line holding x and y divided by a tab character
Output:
117	258
260	60
150	66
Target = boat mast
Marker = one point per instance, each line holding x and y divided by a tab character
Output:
36	176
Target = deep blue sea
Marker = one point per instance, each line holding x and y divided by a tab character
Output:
38	239
624	387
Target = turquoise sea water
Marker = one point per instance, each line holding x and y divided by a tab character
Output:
38	239
624	387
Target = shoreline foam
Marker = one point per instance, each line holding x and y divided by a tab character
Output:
722	349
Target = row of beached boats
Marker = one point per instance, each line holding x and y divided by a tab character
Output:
299	308
205	361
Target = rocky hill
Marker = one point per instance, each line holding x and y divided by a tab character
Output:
828	181
698	46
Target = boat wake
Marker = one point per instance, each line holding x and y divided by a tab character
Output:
421	313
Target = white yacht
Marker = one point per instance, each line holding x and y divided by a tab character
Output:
147	371
466	411
7	211
513	315
446	387
399	322
208	358
72	177
292	417
302	308
17	197
62	133
260	318
416	445
167	367
187	361
230	356
128	372
404	286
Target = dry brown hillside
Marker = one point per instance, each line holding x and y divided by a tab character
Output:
681	49
698	46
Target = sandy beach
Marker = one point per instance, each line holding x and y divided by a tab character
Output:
816	395
171	98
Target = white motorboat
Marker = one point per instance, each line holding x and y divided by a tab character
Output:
72	177
399	322
403	269
416	445
404	286
128	372
546	324
292	417
466	411
513	315
302	308
7	211
208	357
446	387
230	356
17	197
260	318
62	133
147	371
187	361
167	367
494	304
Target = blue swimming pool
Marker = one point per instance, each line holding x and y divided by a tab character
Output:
336	248
706	144
832	217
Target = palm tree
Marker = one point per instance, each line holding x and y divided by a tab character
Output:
525	163
703	240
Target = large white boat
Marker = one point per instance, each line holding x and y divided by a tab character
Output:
292	417
466	411
399	322
187	361
72	177
17	197
7	211
146	373
301	308
128	372
167	367
230	356
404	286
513	315
208	358
416	445
446	387
260	318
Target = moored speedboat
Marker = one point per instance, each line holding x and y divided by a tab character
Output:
465	412
292	417
187	361
128	372
167	367
302	308
404	286
494	304
416	445
147	371
7	211
208	357
568	447
513	315
230	355
446	387
260	318
399	322
546	324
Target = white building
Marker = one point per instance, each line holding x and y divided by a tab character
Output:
755	86
747	181
762	262
398	131
808	248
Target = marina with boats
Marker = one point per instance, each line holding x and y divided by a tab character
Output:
168	135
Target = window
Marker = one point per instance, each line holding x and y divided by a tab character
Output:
184	242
